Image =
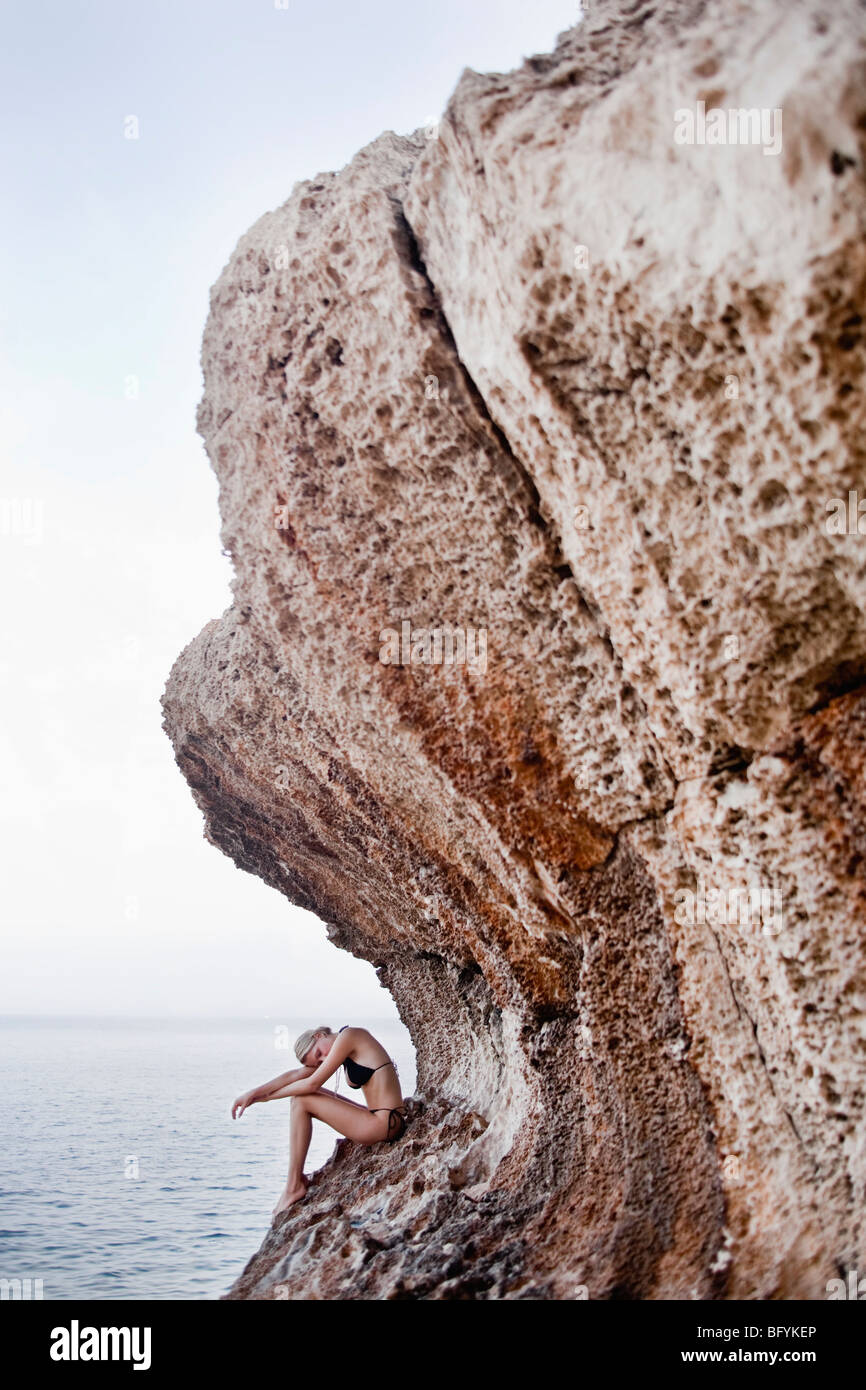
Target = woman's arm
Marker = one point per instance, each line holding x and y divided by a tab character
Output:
268	1089
311	1081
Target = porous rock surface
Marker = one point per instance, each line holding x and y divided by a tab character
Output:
544	372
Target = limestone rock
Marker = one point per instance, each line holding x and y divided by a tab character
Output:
555	385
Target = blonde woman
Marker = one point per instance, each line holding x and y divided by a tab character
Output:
367	1066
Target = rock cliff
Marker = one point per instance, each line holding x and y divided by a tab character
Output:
538	436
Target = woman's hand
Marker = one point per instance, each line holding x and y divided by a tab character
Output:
240	1105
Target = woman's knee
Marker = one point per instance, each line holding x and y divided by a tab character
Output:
304	1102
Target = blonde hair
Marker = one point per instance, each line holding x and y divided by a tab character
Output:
306	1040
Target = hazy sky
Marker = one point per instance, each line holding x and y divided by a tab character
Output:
110	558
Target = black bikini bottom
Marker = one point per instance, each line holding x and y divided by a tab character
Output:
396	1122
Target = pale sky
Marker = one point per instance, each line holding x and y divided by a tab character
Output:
110	562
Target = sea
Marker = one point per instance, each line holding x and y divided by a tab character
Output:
122	1172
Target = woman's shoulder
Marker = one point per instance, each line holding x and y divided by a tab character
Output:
356	1034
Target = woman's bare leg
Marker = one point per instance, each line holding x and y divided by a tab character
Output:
346	1116
299	1143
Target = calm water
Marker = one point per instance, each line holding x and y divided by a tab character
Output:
122	1173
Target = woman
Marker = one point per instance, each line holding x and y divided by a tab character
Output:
368	1066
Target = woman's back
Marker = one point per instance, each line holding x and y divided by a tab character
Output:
359	1074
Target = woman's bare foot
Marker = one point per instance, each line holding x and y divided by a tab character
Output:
291	1194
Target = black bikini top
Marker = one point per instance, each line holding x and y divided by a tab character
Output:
358	1075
